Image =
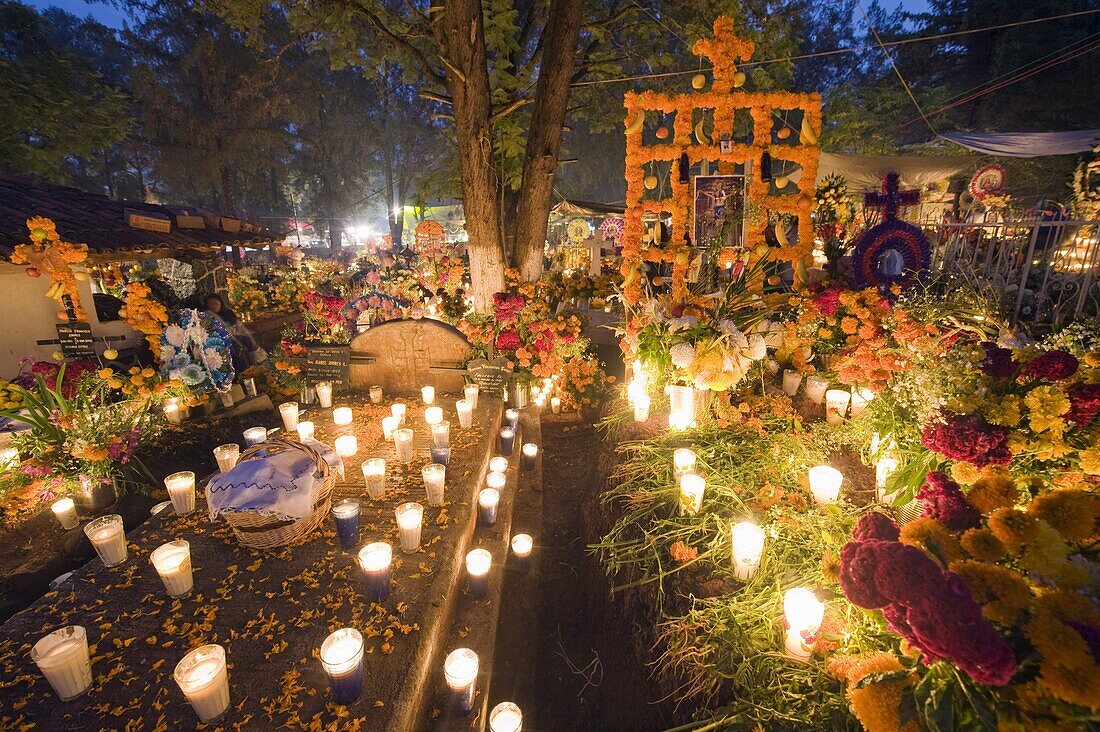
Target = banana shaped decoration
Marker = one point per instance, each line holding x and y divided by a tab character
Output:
636	125
700	135
781	234
807	136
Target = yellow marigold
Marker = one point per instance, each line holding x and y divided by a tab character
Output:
849	325
1066	665
1092	359
136	380
105	373
148	372
1090	460
964	473
982	544
114	383
1076	686
135	370
876	705
1004	594
1071	512
1014	528
1045	405
963	404
1004	412
994	489
1048	556
933	537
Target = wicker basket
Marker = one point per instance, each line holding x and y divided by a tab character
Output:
259	531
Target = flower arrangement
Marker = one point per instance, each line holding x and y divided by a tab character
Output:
48	255
833	217
144	313
246	294
325	319
195	352
142	383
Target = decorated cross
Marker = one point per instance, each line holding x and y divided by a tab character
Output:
892	199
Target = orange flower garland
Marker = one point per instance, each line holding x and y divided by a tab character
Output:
144	314
48	255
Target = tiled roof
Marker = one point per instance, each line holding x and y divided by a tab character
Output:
102	223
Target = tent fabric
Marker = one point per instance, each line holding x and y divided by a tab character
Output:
865	172
585	209
1027	144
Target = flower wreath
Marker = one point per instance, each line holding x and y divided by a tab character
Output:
577	230
195	350
987	182
907	240
612	229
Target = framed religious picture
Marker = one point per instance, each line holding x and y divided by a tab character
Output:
719	204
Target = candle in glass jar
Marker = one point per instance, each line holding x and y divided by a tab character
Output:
172	411
498	464
441	434
435	479
324	394
341	416
376	560
433	415
226	398
108	538
460	670
397	411
181	489
683	462
680	420
470	391
346	515
173	563
441	454
427	394
555	405
748	545
375	394
289	413
204	680
792	379
511	418
465	413
825	483
641	407
506	717
836	405
306	430
521	550
860	398
64	509
529	452
249	385
347	445
255	436
227	456
374	475
63	658
496	481
410	517
342	659
692	487
478	562
403	443
884	468
507	440
815	389
389	424
802	614
487	501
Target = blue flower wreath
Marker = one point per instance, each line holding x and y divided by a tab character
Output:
907	240
195	349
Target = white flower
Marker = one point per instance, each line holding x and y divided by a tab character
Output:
682	323
772	332
701	381
758	348
682	355
212	358
175	335
166	353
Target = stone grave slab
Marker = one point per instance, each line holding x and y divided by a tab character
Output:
404	355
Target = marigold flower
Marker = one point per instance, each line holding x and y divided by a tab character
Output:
681	552
1004	594
1072	513
934	538
1014	528
994	489
982	544
105	373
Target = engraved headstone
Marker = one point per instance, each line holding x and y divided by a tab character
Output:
404	355
75	340
327	363
490	376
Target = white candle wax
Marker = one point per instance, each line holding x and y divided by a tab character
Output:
65	511
341	416
465	413
398	410
255	435
435	478
289	412
460	669
427	394
555	405
825	483
172	411
815	389
496	480
680	420
441	434
478	562
108	538
792	379
681	401
204	681
498	464
374	475
173	563
521	545
324	394
641	407
62	657
860	398
691	493
375	394
433	415
683	461
181	489
748	545
836	405
346	445
227	456
506	717
410	517
471	391
884	468
389	425
403	443
306	430
803	613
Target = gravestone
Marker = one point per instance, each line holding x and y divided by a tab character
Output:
327	363
404	355
76	340
491	377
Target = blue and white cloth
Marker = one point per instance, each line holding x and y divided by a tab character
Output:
283	485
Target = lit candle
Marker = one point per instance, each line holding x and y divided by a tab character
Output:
346	515
683	462
498	464
825	483
427	393
410	517
836	405
398	410
341	416
435	479
342	659
173	563
555	405
324	394
815	389
403	443
65	511
487	501
748	545
172	411
802	613
346	445
441	434
507	440
249	386
374	475
506	717
529	451
375	394
255	435
376	560
441	454
108	538
792	379
389	424
9	458
681	401
691	493
227	456
460	670
226	398
521	549
470	391
860	399
680	420
63	658
465	413
540	401
641	407
433	415
181	489
478	562
289	412
511	418
305	430
496	480
204	680
884	468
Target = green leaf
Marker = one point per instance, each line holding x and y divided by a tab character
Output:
881	676
939	710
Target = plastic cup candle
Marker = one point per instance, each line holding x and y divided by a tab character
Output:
376	561
374	475
173	563
511	418
397	411
249	387
410	517
403	443
389	424
460	670
171	412
641	407
346	515
226	398
815	389
681	400
860	399
748	545
496	481
341	416
62	657
530	451
825	483
441	434
204	681
521	549
555	405
836	405
884	468
324	394
427	393
506	717
487	501
255	435
465	413
433	415
470	391
441	454
181	489
227	456
683	462
375	394
691	493
507	440
792	379
478	562
108	538
64	509
289	412
498	464
342	659
802	613
347	445
435	479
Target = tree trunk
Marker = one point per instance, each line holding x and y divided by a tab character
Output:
544	136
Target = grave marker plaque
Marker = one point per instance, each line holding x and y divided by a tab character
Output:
75	340
328	363
490	376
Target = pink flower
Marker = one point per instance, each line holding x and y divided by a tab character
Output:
1052	366
968	438
941	499
509	341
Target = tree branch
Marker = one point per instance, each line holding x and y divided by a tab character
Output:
512	106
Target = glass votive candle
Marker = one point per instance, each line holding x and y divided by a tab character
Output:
347	445
342	416
63	658
181	489
397	411
441	434
511	418
342	659
108	538
307	394
478	562
465	413
679	419
747	546
815	389
507	440
641	407
346	515
529	452
9	458
506	717
802	615
64	509
249	386
884	468
792	379
435	479
433	415
825	483
859	400
324	394
226	398
487	501
683	462
389	424
471	391
498	464
692	487
427	394
403	443
521	550
496	481
374	475
441	454
173	563
375	393
255	436
306	430
227	456
172	412
555	405
410	518
289	413
376	561
204	681
836	405
460	670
